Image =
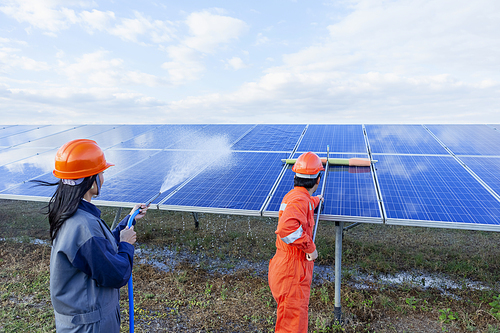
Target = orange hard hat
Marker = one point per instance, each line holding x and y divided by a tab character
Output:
79	159
308	165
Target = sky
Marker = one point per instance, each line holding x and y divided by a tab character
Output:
273	61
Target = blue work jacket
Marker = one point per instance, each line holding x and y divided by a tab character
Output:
88	265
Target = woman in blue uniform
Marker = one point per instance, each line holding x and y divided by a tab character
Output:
88	262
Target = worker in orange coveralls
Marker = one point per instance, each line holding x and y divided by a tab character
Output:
290	270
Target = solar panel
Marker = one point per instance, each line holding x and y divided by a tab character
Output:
350	193
237	169
16	154
468	139
17	172
487	168
271	138
16	129
433	188
57	139
31	134
340	138
211	134
402	139
163	136
242	183
120	134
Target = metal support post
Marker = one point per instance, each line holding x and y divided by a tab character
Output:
196	220
339	226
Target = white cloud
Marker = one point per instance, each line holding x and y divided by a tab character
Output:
10	60
403	61
97	69
236	63
209	31
41	14
261	39
96	20
130	29
185	65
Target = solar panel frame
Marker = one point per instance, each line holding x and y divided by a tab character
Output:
133	147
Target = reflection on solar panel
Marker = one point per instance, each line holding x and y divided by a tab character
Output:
425	175
408	139
468	139
340	138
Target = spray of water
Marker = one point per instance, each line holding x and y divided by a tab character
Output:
211	151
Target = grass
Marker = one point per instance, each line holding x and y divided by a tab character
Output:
191	299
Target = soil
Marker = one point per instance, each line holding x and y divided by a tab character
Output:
192	299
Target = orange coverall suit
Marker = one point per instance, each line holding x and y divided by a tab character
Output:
290	273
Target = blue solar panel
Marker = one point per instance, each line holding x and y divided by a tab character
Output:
212	135
242	184
468	139
17	172
162	137
271	138
349	191
120	134
433	188
14	175
233	168
16	154
142	177
16	129
340	138
402	139
487	168
33	134
58	138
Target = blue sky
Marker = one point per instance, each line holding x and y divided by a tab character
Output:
346	61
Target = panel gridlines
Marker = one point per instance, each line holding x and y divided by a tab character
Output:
433	188
407	139
414	185
349	191
340	138
242	184
468	139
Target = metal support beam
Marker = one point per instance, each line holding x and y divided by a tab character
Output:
339	226
117	218
196	220
352	226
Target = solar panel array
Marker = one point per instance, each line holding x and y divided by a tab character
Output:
445	176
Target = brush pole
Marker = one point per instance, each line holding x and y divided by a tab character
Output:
322	192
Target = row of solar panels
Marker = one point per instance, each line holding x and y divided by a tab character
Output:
427	175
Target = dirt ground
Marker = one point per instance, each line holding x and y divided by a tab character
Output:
190	299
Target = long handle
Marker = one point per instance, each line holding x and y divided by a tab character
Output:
322	192
130	283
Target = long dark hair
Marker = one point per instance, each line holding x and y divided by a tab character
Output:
64	202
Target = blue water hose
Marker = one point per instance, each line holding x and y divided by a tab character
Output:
130	284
